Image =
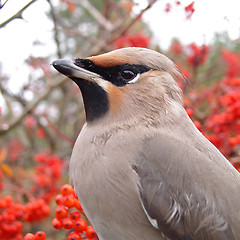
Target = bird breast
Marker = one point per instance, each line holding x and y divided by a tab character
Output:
101	169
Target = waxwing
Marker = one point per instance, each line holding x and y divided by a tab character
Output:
140	167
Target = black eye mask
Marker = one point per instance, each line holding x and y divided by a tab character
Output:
118	75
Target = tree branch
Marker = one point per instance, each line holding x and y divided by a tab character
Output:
17	15
2	5
23	102
31	107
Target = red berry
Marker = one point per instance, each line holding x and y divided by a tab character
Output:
59	199
69	201
66	189
74	236
61	212
75	215
40	235
80	226
57	223
67	223
29	236
90	232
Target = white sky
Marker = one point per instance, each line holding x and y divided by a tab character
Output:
17	38
210	16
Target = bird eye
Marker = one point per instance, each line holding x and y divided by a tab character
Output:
128	74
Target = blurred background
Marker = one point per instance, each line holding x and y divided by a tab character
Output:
41	112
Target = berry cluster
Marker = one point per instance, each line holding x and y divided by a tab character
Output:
36	211
233	64
221	102
197	55
224	124
48	173
71	219
13	214
10	215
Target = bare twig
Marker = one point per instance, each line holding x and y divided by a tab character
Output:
2	5
17	15
97	15
28	109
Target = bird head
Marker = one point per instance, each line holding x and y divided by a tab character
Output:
124	83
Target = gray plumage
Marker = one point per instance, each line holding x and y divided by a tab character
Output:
144	171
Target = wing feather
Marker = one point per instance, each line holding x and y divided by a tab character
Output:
179	190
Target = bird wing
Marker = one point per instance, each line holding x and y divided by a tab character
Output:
174	177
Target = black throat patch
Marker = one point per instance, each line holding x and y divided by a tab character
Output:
95	99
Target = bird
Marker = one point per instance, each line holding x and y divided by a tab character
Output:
140	167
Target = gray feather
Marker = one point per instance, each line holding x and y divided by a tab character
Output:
189	201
